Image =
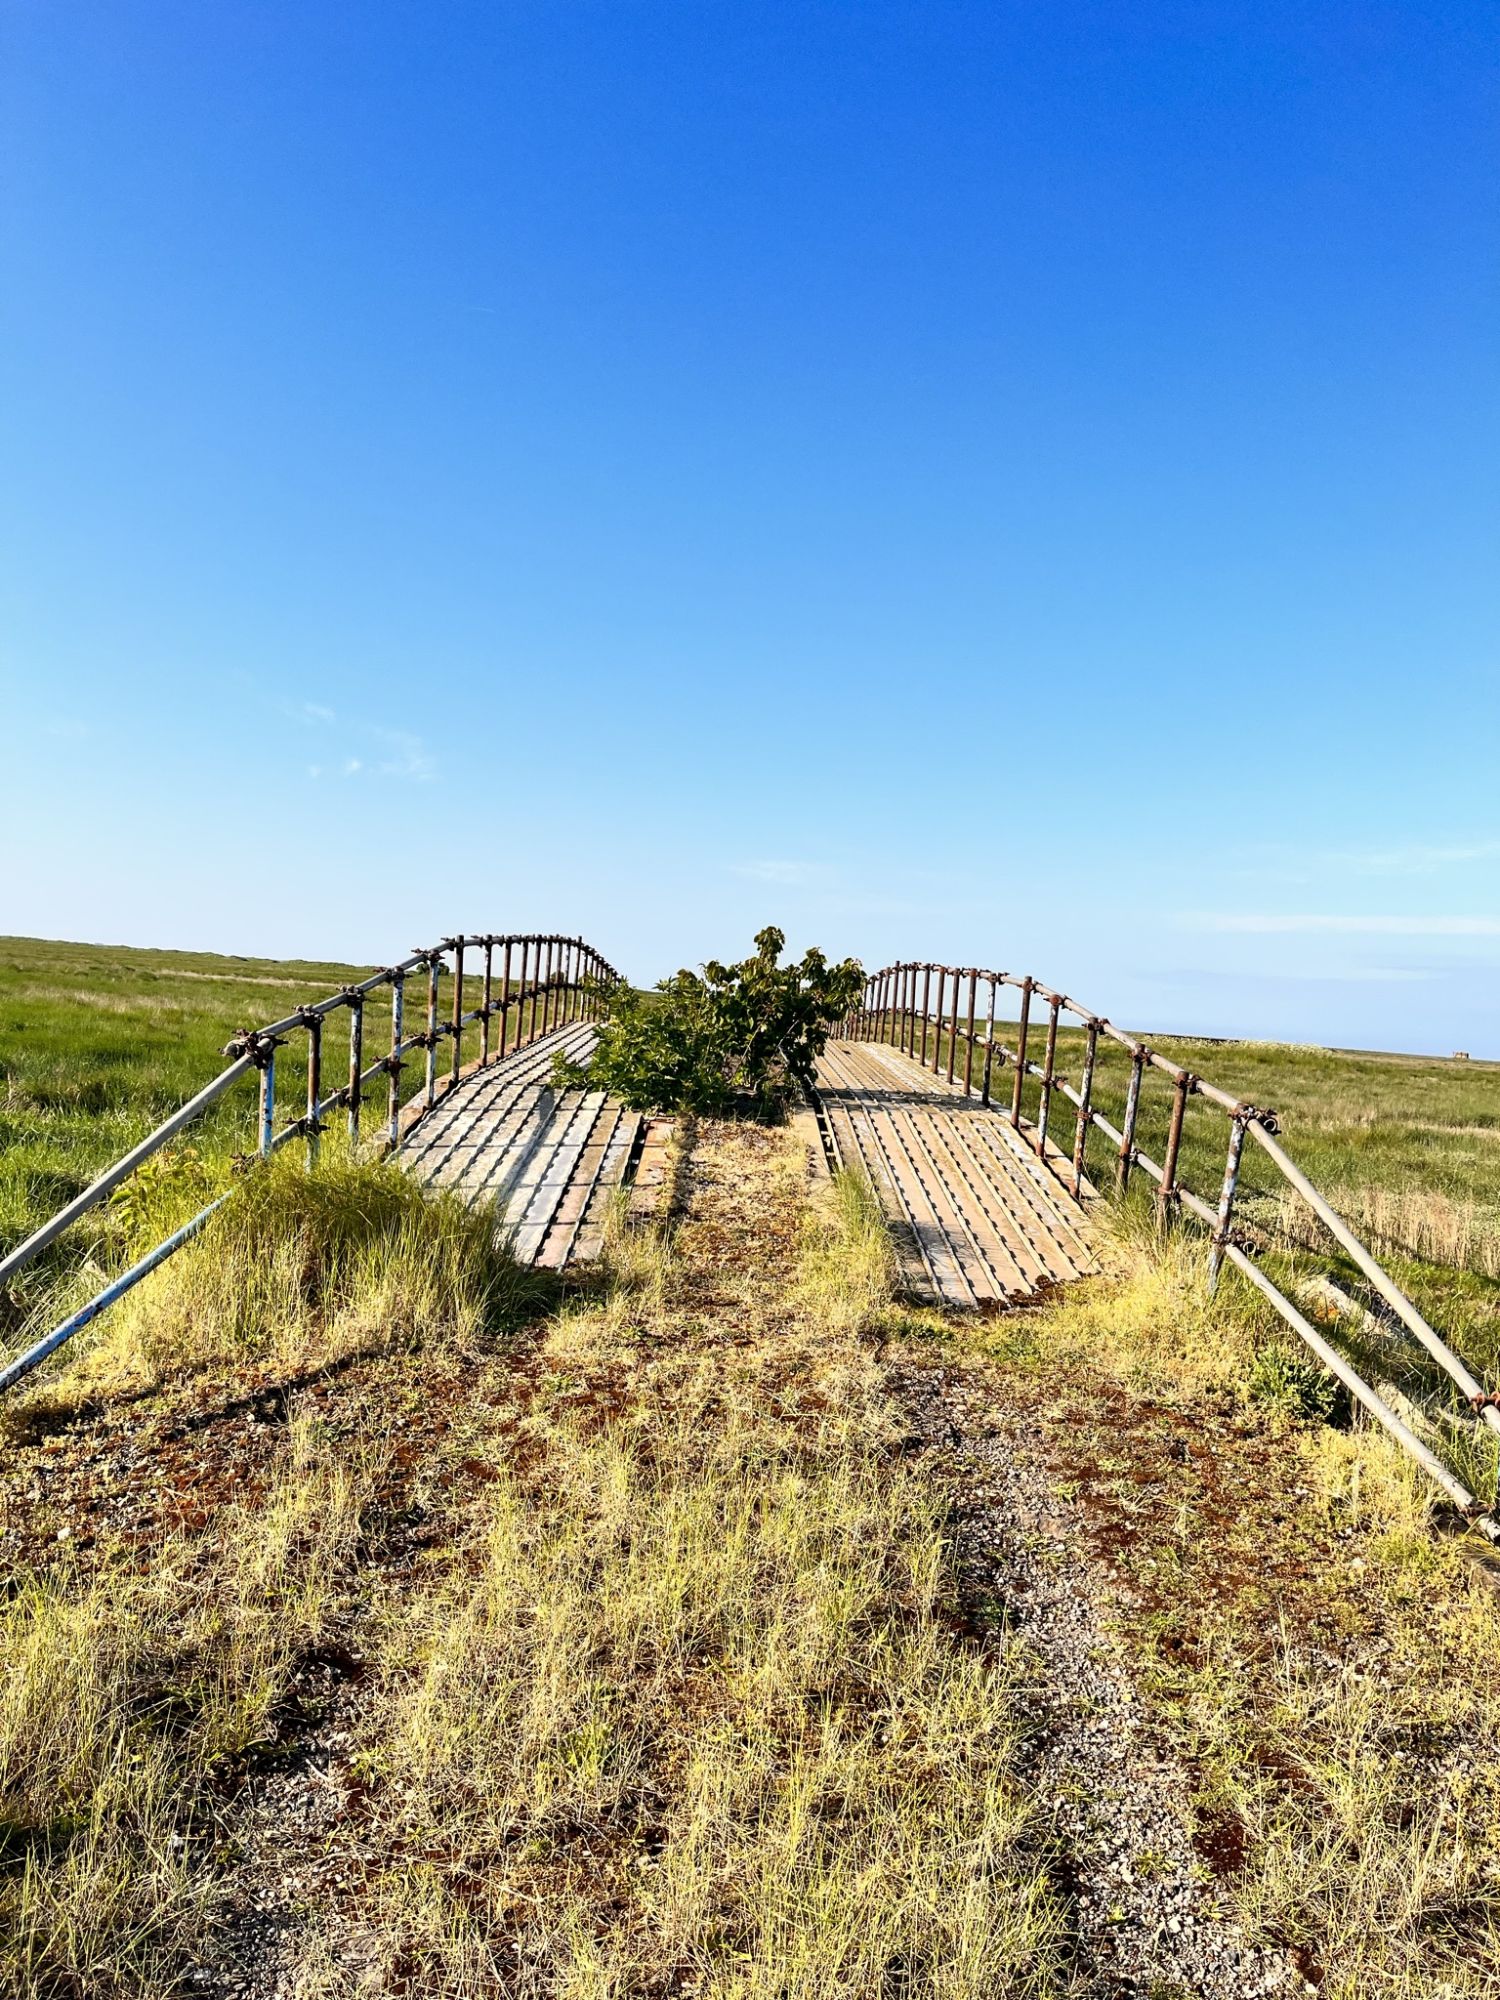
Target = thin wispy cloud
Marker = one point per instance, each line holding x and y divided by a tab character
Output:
1416	857
408	756
1322	924
403	757
794	874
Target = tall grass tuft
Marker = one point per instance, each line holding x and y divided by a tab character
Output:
303	1265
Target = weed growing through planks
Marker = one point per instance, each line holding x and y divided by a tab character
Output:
735	1038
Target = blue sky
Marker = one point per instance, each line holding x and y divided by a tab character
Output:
1010	484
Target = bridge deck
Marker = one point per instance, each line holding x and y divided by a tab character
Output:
547	1159
977	1219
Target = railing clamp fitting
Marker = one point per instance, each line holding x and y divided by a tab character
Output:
255	1044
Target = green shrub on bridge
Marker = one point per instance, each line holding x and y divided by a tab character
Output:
735	1039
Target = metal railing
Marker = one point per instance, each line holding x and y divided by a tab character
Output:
930	1012
528	985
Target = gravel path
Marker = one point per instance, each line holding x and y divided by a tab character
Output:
1147	1916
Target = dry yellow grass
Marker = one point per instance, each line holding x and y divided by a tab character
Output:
1323	1651
124	1692
689	1711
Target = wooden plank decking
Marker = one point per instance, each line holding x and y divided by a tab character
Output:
976	1218
547	1159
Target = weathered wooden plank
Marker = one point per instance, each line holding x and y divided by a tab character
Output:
975	1217
543	1160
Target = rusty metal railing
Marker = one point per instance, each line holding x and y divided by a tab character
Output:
930	1012
529	985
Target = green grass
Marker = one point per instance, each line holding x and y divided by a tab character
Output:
99	1043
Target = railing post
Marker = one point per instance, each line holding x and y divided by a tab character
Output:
458	1012
1021	1033
1166	1195
937	1020
522	994
1086	1099
434	964
1226	1198
911	1009
267	1117
1049	1065
953	1025
926	1008
356	1065
398	1035
969	1034
314	1084
989	1043
1132	1113
487	1004
547	988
